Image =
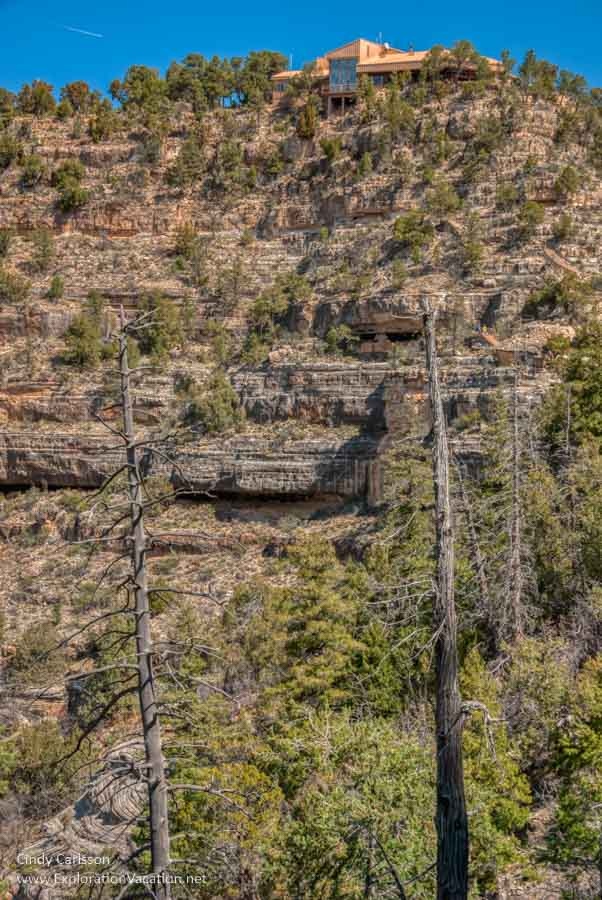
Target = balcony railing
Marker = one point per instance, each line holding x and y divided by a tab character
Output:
348	87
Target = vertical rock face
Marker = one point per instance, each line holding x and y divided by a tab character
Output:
330	225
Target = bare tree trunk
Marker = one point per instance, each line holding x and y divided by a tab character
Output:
451	819
516	573
155	762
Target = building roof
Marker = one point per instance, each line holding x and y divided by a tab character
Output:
372	58
390	60
288	73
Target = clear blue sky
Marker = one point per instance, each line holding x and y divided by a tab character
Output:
35	44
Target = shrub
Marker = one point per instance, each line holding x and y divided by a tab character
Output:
564	228
531	215
10	150
37	658
216	408
84	342
6	237
331	148
567	183
36	99
307	123
442	199
472	256
506	195
103	125
565	296
189	165
72	196
67	180
57	288
186	240
340	340
365	165
43	250
13	288
32	170
7	107
36	765
399	274
85	347
64	110
414	231
164	329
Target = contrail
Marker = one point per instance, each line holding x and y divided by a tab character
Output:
81	31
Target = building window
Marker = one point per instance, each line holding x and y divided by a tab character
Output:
379	80
343	75
280	87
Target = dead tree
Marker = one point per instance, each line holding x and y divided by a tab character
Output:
451	819
147	688
516	573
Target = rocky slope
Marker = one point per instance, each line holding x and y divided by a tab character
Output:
311	453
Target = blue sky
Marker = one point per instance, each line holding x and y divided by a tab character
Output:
34	42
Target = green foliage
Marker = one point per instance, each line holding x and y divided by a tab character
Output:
331	148
442	199
35	769
72	196
506	195
165	326
57	288
32	170
398	114
363	778
268	309
399	274
340	340
13	288
189	165
142	91
103	125
568	296
37	658
307	123
187	239
365	165
567	183
575	837
531	214
6	237
230	283
7	107
229	172
582	372
472	256
537	77
36	99
79	96
490	133
66	178
415	232
44	250
536	693
215	407
221	343
563	228
84	343
64	110
496	789
10	149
